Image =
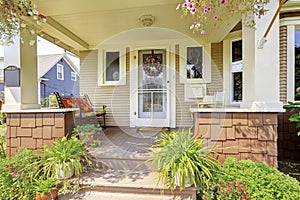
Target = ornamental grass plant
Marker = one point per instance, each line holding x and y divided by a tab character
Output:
65	154
182	155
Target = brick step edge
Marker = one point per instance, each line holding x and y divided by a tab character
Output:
189	192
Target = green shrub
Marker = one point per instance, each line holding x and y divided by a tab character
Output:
222	190
18	174
262	182
2	139
2	147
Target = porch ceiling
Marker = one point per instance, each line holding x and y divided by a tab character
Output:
81	25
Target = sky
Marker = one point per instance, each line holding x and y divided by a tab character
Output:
45	47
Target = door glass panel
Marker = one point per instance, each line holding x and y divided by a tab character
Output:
237	86
152	94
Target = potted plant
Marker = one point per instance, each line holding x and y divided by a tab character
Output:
46	188
87	132
181	159
65	158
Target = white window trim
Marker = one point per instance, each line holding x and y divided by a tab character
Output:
73	74
227	66
291	23
102	66
291	40
62	71
206	64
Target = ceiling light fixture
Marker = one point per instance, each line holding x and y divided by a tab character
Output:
147	20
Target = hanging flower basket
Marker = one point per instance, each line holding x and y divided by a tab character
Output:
212	13
18	16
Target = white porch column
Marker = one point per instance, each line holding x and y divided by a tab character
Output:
261	65
23	56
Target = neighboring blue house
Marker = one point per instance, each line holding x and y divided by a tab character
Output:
58	74
1	74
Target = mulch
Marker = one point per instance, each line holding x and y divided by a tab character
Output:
291	168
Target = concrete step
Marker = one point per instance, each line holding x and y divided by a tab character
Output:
125	164
96	195
123	185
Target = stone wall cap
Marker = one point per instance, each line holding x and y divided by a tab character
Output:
42	110
235	109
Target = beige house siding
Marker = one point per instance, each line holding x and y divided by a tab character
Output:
116	98
283	64
216	84
183	116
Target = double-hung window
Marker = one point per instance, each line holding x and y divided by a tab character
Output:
112	67
236	71
195	64
73	76
60	72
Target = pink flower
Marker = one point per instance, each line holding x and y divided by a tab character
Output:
206	9
229	185
193	11
184	5
203	32
239	187
223	2
198	25
190	6
192	26
188	1
215	17
178	7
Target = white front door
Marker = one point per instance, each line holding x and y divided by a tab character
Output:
151	93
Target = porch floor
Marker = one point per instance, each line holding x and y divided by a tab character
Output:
124	148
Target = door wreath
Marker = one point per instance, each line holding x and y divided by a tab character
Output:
152	66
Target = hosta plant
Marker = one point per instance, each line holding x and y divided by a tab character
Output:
183	155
